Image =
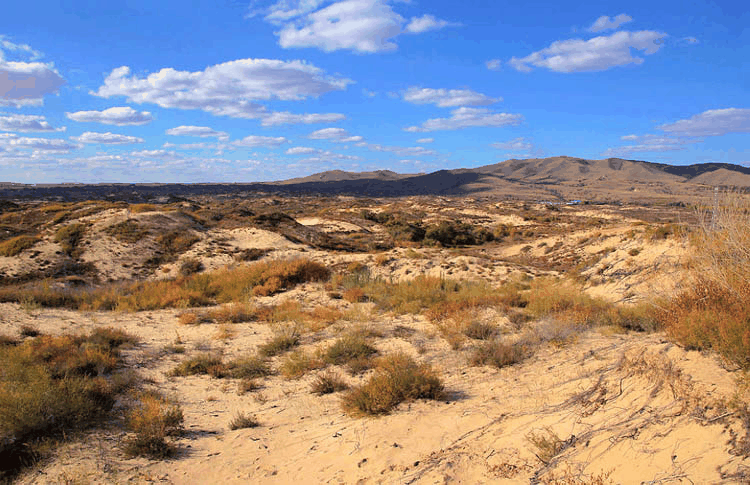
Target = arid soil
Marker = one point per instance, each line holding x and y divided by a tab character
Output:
594	403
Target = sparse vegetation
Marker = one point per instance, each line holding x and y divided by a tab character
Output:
499	353
328	383
398	378
152	420
714	311
242	421
16	245
128	231
69	237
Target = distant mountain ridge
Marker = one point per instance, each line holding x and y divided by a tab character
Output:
553	178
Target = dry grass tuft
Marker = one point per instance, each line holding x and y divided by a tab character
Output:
398	378
298	363
328	383
16	245
499	354
153	419
69	238
286	339
242	421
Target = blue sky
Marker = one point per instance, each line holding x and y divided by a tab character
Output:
238	91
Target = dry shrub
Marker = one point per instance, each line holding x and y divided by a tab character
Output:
714	310
499	353
242	421
52	386
398	378
349	348
565	299
285	340
251	254
354	295
16	245
205	363
233	313
191	266
249	367
127	231
153	419
69	238
547	444
139	208
299	362
328	383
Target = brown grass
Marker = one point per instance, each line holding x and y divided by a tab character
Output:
16	245
714	311
328	383
69	238
53	386
128	231
398	378
152	420
242	421
499	353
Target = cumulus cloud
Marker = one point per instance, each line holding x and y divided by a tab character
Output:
468	117
8	46
336	135
199	131
364	26
118	116
597	54
285	118
301	151
516	144
11	142
26	83
228	89
714	122
609	23
446	98
425	140
425	23
493	64
91	137
26	123
260	141
165	155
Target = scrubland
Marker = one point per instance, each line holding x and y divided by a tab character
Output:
411	340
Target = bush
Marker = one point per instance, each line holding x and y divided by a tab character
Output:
69	237
152	420
347	349
16	245
457	234
201	364
328	383
498	353
191	266
297	363
398	378
713	312
280	343
52	386
128	231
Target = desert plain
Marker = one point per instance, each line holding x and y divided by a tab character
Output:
467	337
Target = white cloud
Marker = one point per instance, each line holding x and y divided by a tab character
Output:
493	64
301	151
714	122
446	98
425	140
425	23
516	144
364	26
260	141
10	141
158	154
403	151
336	135
468	117
648	143
26	123
285	118
597	54
368	93
606	23
360	25
118	116
199	131
90	137
228	89
26	83
6	45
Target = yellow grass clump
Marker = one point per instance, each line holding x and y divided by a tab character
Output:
16	245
